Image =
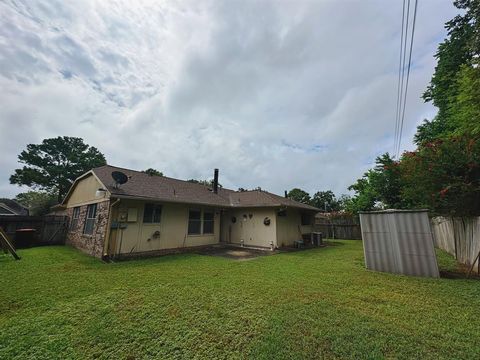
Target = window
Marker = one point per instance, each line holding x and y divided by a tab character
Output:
152	213
306	219
75	217
208	222
201	222
90	219
194	222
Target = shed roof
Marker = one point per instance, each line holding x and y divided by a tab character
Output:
162	188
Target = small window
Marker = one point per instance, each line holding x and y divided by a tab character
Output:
75	217
90	219
194	222
152	213
306	219
208	222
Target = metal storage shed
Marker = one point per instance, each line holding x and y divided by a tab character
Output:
399	241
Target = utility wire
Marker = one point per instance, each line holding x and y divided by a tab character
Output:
397	120
408	75
402	82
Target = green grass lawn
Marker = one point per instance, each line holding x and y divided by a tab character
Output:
320	303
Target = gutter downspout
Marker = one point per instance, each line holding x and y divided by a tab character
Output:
107	234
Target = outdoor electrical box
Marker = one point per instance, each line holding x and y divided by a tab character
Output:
132	215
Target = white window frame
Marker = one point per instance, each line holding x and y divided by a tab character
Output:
89	220
75	218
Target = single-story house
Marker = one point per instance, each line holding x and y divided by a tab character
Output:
11	207
149	213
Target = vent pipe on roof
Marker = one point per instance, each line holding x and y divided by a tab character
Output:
215	181
286	194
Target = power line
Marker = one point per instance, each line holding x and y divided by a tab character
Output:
397	120
408	75
404	57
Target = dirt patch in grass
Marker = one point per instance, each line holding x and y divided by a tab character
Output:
235	253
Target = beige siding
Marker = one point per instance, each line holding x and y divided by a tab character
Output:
290	228
134	236
84	192
250	229
173	227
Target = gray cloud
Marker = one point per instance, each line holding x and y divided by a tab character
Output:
275	94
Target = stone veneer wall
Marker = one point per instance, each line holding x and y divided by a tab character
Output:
90	244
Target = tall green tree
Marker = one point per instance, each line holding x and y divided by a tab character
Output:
444	176
386	179
299	195
457	65
465	110
53	165
343	202
365	197
37	202
379	187
325	200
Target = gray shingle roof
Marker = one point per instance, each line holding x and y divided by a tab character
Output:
163	188
16	207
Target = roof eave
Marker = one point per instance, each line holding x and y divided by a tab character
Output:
178	201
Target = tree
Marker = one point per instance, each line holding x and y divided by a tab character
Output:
53	165
379	187
453	83
299	195
208	183
37	202
386	180
444	176
465	110
443	173
429	131
343	202
365	196
325	200
152	172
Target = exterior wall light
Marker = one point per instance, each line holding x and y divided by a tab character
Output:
100	193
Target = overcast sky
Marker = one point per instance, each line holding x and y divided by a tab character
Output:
275	94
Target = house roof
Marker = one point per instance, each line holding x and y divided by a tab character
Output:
13	206
253	198
162	188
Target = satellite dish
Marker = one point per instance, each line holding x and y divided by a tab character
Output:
119	177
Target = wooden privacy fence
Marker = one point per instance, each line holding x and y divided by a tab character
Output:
338	227
459	237
49	230
340	231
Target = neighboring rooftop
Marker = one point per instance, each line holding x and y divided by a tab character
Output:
11	207
143	186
